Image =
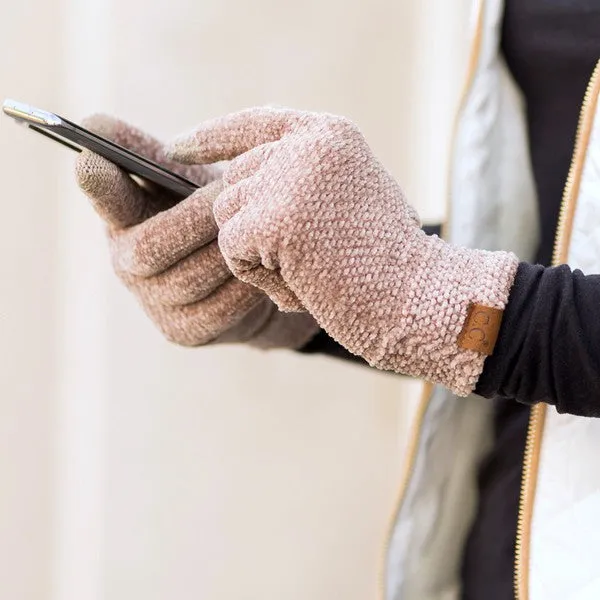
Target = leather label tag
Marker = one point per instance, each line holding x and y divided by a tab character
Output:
481	328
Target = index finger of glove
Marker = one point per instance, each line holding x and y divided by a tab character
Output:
226	137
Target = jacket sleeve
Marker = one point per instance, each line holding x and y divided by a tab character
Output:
548	349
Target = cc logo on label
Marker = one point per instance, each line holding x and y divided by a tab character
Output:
477	332
480	330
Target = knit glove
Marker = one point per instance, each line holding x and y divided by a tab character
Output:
311	217
168	256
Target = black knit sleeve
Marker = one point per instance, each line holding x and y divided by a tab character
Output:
323	344
548	349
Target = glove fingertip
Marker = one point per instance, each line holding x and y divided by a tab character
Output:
115	197
94	174
101	124
201	147
182	150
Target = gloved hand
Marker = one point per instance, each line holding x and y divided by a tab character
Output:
310	216
168	256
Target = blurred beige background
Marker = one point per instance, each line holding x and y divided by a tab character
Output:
130	468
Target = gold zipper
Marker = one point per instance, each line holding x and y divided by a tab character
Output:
415	432
531	460
562	240
569	201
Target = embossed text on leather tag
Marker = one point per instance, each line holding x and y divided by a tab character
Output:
481	329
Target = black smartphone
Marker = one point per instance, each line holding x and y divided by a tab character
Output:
76	137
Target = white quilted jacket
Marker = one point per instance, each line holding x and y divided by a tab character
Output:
493	206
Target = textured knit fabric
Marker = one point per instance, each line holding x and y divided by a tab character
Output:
312	218
168	256
551	47
322	343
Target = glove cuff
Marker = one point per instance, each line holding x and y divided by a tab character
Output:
450	315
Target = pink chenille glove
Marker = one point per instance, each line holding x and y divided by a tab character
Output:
168	256
311	217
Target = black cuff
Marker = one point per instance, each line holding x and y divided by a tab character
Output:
324	344
548	349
